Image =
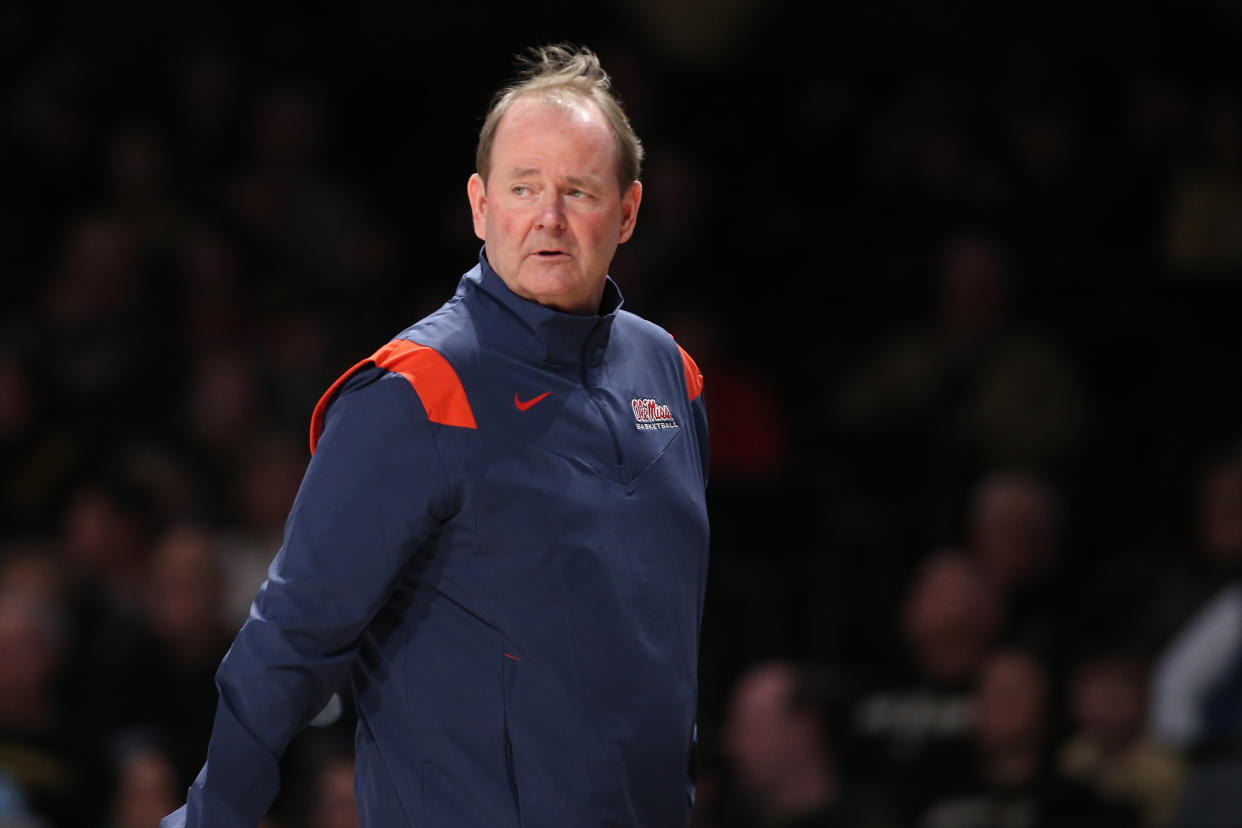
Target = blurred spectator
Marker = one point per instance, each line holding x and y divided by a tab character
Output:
184	589
950	619
94	349
971	392
49	122
31	571
32	568
1015	527
214	309
1197	684
155	668
105	537
1203	234
146	789
673	208
165	475
297	348
913	730
206	114
262	492
749	429
1014	524
777	744
36	453
1214	557
221	416
39	752
138	176
224	405
1219	518
1109	752
1015	395
305	220
1014	782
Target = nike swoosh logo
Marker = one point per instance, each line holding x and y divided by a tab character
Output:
522	406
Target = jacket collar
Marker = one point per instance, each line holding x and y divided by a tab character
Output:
555	337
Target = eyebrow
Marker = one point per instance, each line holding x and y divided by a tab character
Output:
524	172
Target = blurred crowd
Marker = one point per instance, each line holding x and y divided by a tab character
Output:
965	292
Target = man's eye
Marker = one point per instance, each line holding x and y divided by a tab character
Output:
521	190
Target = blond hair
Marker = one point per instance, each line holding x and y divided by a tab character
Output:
549	70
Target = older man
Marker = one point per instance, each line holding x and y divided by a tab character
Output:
502	532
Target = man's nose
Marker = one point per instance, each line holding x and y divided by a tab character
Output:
551	212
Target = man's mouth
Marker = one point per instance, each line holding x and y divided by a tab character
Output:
550	254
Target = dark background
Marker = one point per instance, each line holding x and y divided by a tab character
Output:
910	246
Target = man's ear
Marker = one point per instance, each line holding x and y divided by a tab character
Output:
630	199
476	191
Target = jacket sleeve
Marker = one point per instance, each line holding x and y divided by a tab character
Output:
698	408
374	491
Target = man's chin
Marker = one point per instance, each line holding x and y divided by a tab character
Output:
551	268
556	287
551	276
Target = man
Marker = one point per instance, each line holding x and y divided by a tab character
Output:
1013	780
777	746
910	729
502	531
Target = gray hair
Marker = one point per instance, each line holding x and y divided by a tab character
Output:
549	70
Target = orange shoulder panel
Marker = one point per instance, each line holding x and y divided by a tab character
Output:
430	375
694	377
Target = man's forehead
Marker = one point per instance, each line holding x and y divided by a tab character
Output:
546	113
563	103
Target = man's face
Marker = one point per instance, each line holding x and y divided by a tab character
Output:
552	212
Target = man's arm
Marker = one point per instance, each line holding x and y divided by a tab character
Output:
698	408
698	412
374	491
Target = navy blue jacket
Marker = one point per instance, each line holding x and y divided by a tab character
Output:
502	534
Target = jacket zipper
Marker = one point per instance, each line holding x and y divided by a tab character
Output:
609	421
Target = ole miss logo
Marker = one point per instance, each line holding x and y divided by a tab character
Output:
650	415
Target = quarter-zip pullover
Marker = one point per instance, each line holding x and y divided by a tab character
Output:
502	534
